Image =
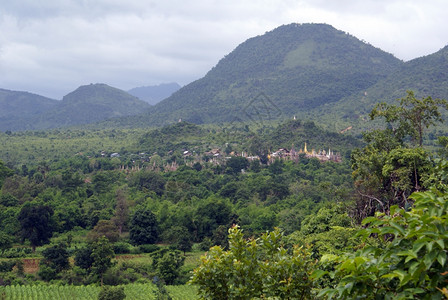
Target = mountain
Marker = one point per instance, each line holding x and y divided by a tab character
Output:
289	70
156	93
426	76
87	104
15	107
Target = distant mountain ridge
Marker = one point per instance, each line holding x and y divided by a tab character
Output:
155	93
87	104
426	76
29	104
296	67
312	71
16	107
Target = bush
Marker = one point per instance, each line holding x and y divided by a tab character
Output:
122	248
255	268
148	248
6	266
112	293
16	252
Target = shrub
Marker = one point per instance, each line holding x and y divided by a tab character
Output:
148	248
112	293
122	248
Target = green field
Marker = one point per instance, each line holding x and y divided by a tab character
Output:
69	292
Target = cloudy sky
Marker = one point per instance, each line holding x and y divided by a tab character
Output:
51	47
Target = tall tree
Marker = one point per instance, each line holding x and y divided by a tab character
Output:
412	116
387	170
36	224
4	172
102	255
55	259
104	228
144	227
121	216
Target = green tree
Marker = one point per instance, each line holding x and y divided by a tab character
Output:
210	214
180	236
36	224
121	216
4	172
412	116
443	142
8	200
83	257
104	228
112	293
387	170
55	259
148	181
167	263
255	268
102	256
237	163
5	241
144	227
410	262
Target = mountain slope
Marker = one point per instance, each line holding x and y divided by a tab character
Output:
426	76
291	69
156	93
90	104
15	107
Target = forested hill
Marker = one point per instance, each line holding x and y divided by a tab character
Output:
87	104
294	68
16	106
426	76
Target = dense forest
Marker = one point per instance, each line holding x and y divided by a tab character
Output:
139	207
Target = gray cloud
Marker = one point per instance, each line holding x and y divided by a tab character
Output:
51	47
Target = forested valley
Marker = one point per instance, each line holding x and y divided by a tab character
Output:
129	212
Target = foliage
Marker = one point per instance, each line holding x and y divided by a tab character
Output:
411	117
121	216
180	236
5	241
55	260
111	293
236	164
255	268
412	265
167	264
387	171
87	104
102	255
84	258
136	291
144	228
36	224
148	181
122	248
104	228
7	265
284	65
4	172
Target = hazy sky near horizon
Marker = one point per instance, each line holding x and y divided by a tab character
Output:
51	47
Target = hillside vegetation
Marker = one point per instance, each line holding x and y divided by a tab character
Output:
424	75
312	71
296	67
128	207
17	107
87	104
